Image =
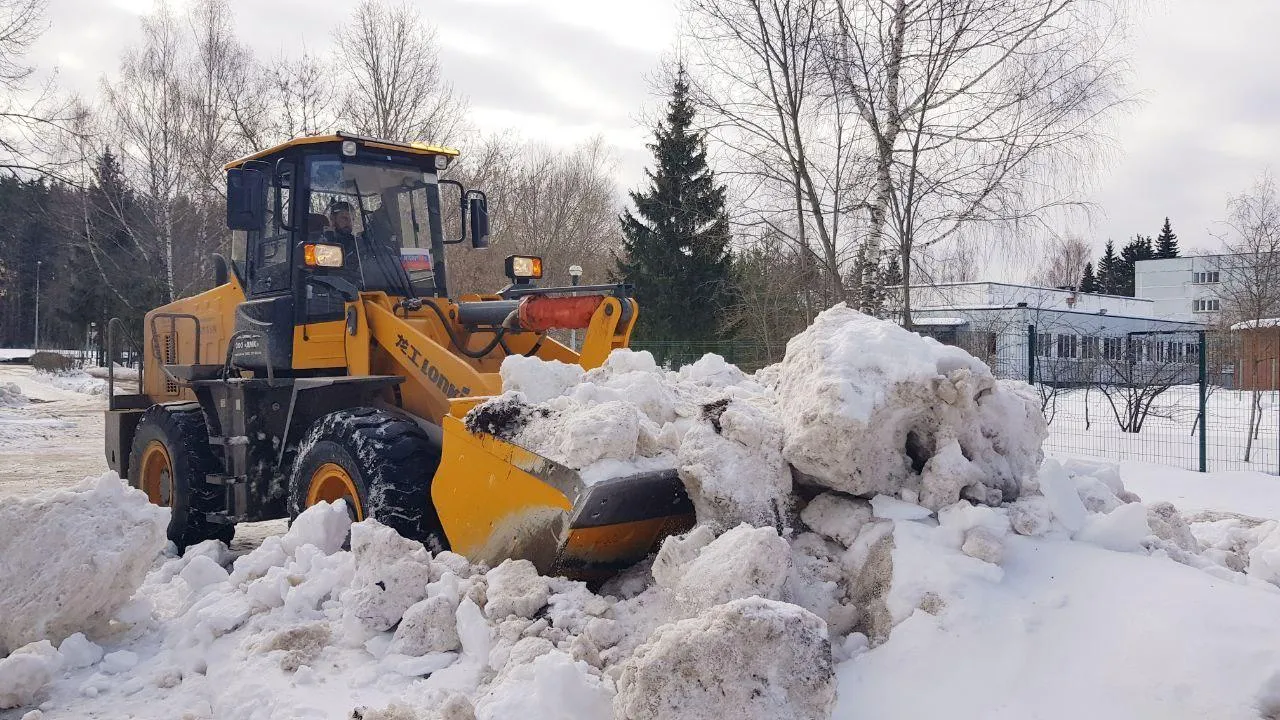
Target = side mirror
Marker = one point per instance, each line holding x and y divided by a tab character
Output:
478	208
246	199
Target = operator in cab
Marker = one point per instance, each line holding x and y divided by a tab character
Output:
341	225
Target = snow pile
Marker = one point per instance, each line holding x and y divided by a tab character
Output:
858	405
11	395
74	381
71	558
869	407
709	420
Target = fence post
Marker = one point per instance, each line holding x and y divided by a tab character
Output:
1031	354
1204	432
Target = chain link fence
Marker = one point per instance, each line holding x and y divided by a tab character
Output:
1171	397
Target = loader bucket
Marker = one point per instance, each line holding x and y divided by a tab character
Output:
497	500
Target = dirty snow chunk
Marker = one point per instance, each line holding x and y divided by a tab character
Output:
1060	491
981	543
866	405
118	662
1122	529
202	571
837	517
391	574
888	508
428	626
25	673
78	651
1168	524
732	467
301	644
750	659
552	687
539	380
324	525
1031	516
71	558
743	562
515	588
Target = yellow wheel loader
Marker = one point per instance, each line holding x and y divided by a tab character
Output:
329	362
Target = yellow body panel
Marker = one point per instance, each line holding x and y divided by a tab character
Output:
174	342
320	345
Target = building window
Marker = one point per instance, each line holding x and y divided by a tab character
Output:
1044	344
1068	346
1090	348
1204	278
1111	348
1207	305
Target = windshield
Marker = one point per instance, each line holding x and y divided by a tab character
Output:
382	216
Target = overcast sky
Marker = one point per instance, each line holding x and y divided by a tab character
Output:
560	71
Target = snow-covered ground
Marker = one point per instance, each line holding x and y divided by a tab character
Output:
977	581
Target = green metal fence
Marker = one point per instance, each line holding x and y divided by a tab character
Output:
1168	397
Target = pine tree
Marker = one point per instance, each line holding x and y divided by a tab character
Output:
676	244
1108	267
1139	248
1088	282
1166	242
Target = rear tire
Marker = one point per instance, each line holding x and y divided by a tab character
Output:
382	464
169	460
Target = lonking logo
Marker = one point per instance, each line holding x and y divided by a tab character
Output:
433	373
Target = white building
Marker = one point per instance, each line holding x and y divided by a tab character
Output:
1003	323
1185	288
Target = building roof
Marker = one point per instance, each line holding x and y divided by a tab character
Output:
1255	324
413	148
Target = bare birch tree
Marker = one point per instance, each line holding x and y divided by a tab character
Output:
394	86
977	110
30	126
791	140
151	119
303	93
1063	265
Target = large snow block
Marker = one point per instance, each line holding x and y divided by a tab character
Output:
750	659
70	558
868	407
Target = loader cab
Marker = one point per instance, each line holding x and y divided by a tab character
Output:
319	219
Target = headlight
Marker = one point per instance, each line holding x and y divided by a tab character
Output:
326	256
524	267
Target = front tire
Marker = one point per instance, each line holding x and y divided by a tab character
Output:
169	460
380	463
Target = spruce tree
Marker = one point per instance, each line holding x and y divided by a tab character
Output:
1108	267
676	243
1166	242
1140	248
1088	282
